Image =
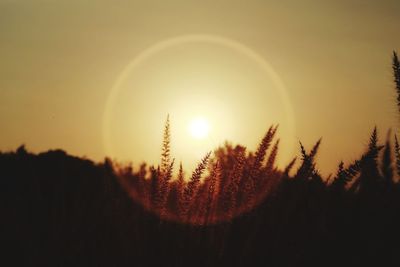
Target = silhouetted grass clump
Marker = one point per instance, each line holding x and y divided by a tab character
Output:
220	188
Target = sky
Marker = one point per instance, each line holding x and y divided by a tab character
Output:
61	60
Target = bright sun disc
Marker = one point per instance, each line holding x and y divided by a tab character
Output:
199	128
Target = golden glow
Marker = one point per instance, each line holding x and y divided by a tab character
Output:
103	83
215	69
199	128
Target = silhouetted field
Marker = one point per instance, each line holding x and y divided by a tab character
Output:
236	209
59	210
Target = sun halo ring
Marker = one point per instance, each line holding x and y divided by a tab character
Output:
186	39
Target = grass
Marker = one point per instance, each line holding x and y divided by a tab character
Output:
236	209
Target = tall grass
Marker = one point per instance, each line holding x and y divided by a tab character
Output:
233	181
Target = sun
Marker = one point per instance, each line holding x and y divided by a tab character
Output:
199	128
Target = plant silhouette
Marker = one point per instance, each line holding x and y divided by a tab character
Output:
236	209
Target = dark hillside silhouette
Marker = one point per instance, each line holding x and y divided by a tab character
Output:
236	209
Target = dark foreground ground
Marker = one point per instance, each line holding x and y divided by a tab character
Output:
59	210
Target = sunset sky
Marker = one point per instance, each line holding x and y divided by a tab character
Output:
318	68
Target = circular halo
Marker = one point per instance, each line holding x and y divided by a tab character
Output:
185	39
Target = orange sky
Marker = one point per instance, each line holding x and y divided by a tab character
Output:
61	59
